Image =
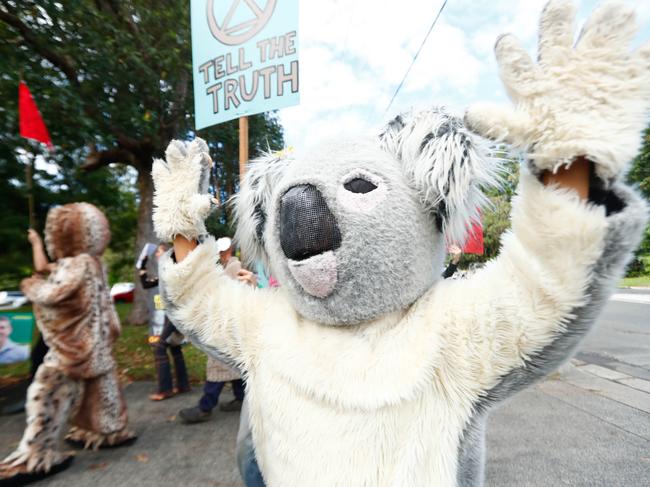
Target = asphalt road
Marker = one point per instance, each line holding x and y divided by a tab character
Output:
588	425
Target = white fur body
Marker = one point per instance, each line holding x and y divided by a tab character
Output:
386	402
188	203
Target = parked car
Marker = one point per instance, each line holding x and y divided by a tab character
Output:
12	299
122	292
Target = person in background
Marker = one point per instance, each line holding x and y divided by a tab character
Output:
456	253
10	351
41	266
77	385
217	372
37	355
245	450
168	338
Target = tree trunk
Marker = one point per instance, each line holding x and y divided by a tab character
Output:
140	312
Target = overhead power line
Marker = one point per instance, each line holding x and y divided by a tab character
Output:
433	24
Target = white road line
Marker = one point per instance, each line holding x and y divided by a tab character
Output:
631	298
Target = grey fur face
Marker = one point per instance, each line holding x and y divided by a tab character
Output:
379	267
355	229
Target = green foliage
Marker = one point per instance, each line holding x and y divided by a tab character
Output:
640	175
496	217
640	172
110	190
636	268
112	80
15	261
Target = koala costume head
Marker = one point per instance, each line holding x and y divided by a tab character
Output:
331	224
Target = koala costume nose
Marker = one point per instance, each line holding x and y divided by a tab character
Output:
307	226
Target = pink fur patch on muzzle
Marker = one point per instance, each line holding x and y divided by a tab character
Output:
317	274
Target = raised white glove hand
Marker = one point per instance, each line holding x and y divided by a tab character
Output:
590	100
181	199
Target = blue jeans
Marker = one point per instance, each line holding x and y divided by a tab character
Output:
248	468
212	391
163	367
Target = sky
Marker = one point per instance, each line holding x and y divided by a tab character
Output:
353	54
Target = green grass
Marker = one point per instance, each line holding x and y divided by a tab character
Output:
13	373
641	281
133	353
135	356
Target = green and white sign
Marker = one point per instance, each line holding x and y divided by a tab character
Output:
244	58
16	330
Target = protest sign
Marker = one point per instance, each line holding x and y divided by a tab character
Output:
16	331
244	56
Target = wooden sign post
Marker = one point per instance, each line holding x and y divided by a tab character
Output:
243	152
243	146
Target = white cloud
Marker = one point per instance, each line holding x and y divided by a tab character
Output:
354	54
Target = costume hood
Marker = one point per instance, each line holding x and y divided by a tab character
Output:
76	228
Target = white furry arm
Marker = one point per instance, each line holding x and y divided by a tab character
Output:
218	314
510	310
181	199
590	100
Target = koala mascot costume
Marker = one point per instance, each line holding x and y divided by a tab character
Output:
365	368
78	378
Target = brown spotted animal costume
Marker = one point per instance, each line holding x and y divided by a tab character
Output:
77	382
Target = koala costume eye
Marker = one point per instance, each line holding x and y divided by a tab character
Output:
360	185
361	191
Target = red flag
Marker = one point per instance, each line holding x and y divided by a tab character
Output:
31	122
474	243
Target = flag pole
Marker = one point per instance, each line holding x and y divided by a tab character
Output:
30	126
29	180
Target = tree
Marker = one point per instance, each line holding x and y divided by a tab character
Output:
496	216
640	175
109	189
640	171
114	81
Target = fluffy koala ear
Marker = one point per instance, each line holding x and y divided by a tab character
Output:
251	204
446	164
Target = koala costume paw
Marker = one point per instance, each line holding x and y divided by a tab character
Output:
591	99
181	199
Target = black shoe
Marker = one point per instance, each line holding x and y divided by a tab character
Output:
194	415
231	406
27	478
13	408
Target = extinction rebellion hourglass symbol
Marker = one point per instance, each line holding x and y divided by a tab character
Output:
233	35
246	60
